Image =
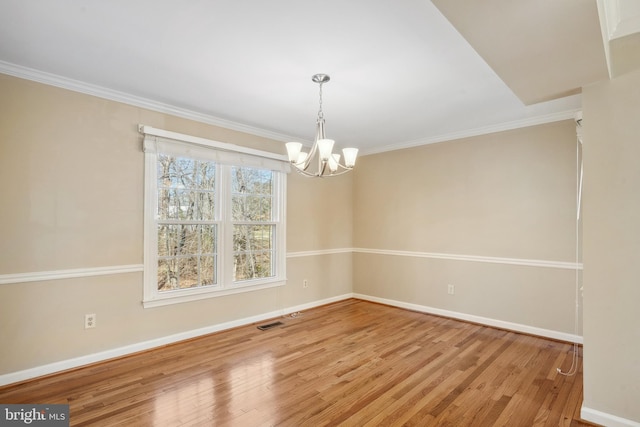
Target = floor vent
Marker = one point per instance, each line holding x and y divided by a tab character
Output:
270	325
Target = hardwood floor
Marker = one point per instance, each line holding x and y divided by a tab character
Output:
352	363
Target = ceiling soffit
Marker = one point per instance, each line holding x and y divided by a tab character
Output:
529	44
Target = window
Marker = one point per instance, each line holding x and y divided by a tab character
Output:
253	223
187	223
214	218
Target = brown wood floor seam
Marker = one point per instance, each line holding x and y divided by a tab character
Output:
351	363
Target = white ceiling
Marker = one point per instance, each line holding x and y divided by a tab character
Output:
401	74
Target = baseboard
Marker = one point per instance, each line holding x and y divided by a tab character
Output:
605	419
517	327
64	365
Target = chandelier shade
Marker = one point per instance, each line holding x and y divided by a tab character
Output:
320	161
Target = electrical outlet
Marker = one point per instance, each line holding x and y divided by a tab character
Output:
89	321
450	289
305	284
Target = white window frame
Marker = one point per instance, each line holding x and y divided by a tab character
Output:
225	156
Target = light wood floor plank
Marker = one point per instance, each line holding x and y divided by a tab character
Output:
352	363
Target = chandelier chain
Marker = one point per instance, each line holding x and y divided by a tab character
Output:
320	113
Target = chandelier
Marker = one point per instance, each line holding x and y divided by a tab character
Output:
326	163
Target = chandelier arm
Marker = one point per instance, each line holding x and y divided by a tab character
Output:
322	166
304	165
321	170
346	170
320	129
307	174
312	152
341	166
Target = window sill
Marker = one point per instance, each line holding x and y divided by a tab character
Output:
199	294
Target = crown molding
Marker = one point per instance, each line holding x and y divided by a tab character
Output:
136	101
149	104
484	130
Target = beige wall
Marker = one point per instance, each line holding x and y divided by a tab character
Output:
72	172
320	214
612	247
505	195
71	168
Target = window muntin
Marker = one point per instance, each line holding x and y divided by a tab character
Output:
186	256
